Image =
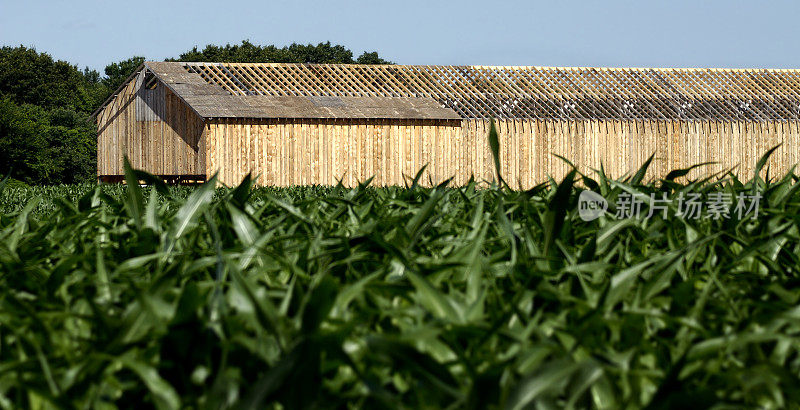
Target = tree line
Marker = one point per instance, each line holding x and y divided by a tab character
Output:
46	136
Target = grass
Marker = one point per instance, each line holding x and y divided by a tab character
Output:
395	297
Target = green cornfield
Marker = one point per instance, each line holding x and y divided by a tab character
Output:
401	297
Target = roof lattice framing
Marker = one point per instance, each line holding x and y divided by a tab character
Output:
534	92
505	92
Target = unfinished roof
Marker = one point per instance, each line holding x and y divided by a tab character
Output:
397	91
211	100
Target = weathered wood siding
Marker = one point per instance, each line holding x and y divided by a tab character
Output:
302	152
156	130
528	148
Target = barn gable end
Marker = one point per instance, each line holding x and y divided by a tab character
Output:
151	125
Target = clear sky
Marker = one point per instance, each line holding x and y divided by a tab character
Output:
673	33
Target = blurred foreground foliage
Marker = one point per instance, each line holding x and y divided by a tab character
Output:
114	296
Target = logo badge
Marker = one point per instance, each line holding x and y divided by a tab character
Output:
591	205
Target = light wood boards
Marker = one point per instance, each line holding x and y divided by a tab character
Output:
295	152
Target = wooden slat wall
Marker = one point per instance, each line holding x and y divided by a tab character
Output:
167	142
306	152
527	147
303	152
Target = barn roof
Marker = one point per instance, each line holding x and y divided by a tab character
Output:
487	91
269	106
214	100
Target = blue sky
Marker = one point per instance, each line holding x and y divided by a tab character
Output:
546	33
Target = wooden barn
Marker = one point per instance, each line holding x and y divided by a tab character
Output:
301	124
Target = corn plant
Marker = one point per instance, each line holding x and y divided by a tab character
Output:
463	297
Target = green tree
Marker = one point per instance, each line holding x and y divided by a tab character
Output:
371	58
30	77
247	52
41	146
45	132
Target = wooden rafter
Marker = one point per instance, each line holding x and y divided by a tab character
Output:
533	92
